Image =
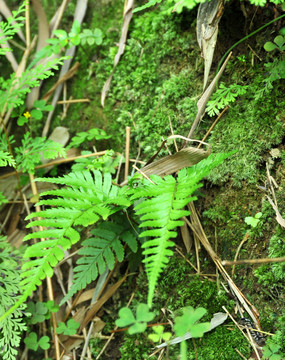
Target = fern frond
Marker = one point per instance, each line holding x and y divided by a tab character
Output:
11	27
162	209
99	252
29	79
84	201
33	149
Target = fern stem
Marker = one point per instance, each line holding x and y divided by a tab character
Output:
48	279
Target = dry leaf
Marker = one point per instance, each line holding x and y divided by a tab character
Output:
172	163
208	18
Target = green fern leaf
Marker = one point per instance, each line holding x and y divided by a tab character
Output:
162	209
86	199
99	252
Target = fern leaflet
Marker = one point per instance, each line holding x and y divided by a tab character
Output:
99	252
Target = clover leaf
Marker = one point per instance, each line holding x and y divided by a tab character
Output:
138	324
159	334
33	343
69	329
271	350
38	311
187	322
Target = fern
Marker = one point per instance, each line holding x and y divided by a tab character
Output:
11	327
162	210
29	154
99	252
11	27
83	201
22	85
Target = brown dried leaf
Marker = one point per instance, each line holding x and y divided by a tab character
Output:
172	163
208	18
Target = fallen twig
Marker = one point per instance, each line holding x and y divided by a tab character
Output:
253	261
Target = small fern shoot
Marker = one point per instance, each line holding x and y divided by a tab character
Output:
99	252
162	210
86	199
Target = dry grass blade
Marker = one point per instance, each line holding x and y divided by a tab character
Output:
279	218
128	14
55	21
246	236
128	138
48	279
205	97
234	289
254	261
195	222
248	337
214	124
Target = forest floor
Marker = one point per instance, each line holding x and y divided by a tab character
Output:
154	91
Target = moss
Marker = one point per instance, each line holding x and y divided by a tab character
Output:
152	83
272	276
220	344
252	126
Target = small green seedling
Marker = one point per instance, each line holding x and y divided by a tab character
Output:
159	335
253	221
279	44
69	329
33	343
138	324
270	352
